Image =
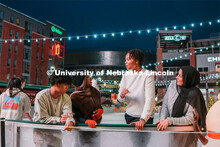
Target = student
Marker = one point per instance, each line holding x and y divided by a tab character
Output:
86	102
14	103
137	90
180	100
53	105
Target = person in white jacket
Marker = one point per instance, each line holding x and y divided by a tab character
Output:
14	103
137	89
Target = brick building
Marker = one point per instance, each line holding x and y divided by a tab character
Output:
27	47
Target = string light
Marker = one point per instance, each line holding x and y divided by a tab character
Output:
130	31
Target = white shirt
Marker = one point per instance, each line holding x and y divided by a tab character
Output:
140	100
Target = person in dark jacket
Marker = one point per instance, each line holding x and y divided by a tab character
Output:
86	102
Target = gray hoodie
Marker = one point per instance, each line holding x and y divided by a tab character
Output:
15	106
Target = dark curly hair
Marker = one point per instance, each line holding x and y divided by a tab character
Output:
60	79
137	55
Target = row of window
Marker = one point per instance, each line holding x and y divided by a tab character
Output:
10	48
11	32
26	79
9	62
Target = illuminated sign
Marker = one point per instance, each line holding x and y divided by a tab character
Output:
213	59
56	30
175	37
57	50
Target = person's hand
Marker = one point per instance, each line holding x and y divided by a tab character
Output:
124	92
64	118
162	124
139	124
97	114
91	123
68	126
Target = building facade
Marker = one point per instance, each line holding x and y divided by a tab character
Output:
27	48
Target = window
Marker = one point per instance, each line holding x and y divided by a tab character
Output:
26	67
16	49
10	33
16	35
42	56
1	15
38	42
206	69
42	43
36	80
37	54
15	63
11	18
27	54
17	21
36	68
200	69
9	47
9	62
28	27
42	31
40	81
7	76
14	75
27	40
41	69
38	30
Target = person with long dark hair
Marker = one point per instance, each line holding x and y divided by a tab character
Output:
14	103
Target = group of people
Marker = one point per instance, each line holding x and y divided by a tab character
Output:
181	102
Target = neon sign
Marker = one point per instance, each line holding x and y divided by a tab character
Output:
56	30
176	38
57	50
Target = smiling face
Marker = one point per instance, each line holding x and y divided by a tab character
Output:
179	78
130	62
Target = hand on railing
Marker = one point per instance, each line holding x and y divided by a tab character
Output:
162	124
97	114
91	123
68	126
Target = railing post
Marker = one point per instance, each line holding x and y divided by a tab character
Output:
2	122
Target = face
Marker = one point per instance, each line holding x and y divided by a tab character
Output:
218	96
61	88
179	78
130	62
22	85
88	81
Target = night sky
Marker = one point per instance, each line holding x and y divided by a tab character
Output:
80	17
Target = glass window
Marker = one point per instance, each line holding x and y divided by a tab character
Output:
42	43
38	30
9	62
40	81
36	80
7	76
28	27
14	75
16	35
41	69
11	18
26	67
10	33
206	69
37	54
17	21
42	31
36	68
27	54
200	69
15	63
16	48
42	56
9	47
1	15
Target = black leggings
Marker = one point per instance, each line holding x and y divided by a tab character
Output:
129	119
